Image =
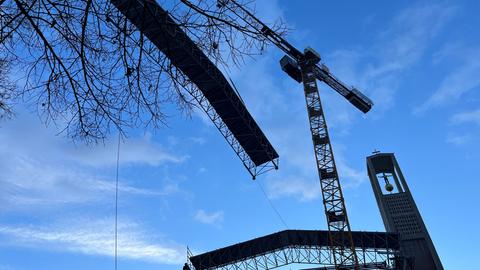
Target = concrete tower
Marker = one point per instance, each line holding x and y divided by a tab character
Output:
400	213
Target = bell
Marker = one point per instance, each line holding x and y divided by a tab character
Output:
389	187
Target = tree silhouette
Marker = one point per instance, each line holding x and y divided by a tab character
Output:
85	67
6	90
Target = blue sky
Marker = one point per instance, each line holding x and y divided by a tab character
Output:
183	185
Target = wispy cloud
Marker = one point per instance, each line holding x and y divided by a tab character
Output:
213	218
140	150
305	185
30	183
410	34
351	177
44	170
462	79
472	117
95	237
379	68
459	139
28	137
302	189
6	267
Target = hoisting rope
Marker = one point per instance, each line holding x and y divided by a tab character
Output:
272	205
116	201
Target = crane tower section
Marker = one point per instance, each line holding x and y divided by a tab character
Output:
341	244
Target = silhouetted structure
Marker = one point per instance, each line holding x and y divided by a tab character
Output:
298	246
213	93
406	240
400	214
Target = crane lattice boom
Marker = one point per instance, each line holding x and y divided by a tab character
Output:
334	204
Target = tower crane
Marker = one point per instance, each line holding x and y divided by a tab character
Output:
218	99
305	67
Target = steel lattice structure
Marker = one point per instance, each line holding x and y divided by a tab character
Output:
252	168
333	201
212	91
308	256
298	247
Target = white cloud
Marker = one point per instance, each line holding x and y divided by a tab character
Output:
305	184
466	117
410	34
209	218
198	140
27	183
459	139
378	68
132	151
350	177
25	135
462	79
95	237
40	169
307	189
302	189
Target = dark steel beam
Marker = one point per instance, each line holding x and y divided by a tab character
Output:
215	95
300	242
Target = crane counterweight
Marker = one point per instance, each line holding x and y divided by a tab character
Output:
290	67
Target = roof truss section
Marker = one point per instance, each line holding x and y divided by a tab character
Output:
297	246
214	93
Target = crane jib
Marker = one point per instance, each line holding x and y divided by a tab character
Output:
355	97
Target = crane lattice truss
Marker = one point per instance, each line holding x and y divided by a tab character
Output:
374	251
333	201
213	92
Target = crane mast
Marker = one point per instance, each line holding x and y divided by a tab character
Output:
303	67
341	245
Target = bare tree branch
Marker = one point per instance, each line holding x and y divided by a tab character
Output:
6	90
84	66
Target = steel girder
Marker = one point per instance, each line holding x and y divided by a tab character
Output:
213	92
296	247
